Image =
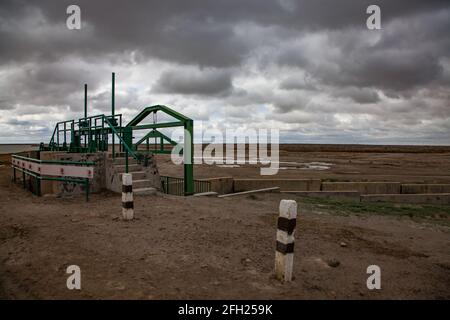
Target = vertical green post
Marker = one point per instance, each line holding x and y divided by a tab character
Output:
85	100
113	109
57	135
120	133
38	184
87	189
65	128
167	185
128	143
188	154
126	160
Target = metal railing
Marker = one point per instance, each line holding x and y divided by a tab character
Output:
175	186
38	178
201	186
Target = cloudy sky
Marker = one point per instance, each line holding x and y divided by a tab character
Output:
311	69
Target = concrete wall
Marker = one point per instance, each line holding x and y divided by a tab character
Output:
221	185
363	187
425	188
47	187
284	184
443	198
62	189
335	195
96	184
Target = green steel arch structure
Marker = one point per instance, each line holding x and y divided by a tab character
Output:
93	133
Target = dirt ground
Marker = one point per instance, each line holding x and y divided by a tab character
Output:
374	163
195	248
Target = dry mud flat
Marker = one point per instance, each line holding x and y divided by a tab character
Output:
188	248
414	164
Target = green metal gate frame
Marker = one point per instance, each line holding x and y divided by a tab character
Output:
188	150
95	131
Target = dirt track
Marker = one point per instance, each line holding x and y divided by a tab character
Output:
208	248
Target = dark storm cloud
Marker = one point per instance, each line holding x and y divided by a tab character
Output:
303	60
59	83
407	54
200	32
5	105
19	122
359	95
203	82
296	83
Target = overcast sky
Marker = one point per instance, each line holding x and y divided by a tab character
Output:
311	69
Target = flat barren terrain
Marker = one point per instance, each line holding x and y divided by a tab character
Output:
420	164
198	247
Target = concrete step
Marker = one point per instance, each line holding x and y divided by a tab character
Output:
138	184
144	191
137	175
131	168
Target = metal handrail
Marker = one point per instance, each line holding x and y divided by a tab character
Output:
86	163
127	147
25	171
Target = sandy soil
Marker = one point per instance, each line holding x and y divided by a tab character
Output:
216	248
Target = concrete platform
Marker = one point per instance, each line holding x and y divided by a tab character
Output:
441	198
144	191
221	185
284	184
364	187
272	189
425	188
337	195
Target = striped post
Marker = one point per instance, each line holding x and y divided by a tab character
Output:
284	254
127	197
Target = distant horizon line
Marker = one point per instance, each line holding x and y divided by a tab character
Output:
281	143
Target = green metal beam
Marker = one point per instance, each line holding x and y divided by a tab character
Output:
158	125
112	112
85	100
155	134
144	113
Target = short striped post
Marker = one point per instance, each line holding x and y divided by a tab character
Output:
284	254
127	197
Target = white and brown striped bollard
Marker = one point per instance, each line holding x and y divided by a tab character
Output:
127	196
284	254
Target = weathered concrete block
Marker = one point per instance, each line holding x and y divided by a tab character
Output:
425	188
443	198
337	195
284	184
221	185
363	187
272	189
69	188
